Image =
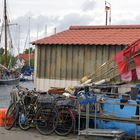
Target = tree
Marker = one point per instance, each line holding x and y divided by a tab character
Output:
31	64
1	51
11	59
31	50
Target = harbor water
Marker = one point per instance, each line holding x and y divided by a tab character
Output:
5	92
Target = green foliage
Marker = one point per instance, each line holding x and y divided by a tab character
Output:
11	60
1	59
31	50
31	63
1	51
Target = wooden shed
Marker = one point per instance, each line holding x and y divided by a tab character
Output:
62	59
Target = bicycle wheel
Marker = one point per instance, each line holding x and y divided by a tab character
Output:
23	120
65	122
46	120
11	116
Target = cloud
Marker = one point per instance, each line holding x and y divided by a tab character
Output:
38	23
60	22
35	22
73	19
127	20
88	5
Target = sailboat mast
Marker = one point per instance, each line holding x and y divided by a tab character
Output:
5	33
29	42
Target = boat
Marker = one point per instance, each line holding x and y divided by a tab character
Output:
8	75
27	74
27	71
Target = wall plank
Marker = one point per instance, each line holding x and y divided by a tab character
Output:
63	63
81	62
48	64
53	62
42	61
87	60
75	63
58	62
38	62
71	62
98	56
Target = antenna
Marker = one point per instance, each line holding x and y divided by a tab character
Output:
46	30
37	31
55	30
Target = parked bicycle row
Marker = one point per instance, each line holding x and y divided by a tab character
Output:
52	111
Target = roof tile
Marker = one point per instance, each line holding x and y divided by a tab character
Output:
94	35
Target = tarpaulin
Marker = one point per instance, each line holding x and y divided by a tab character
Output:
133	49
126	76
137	48
127	52
137	60
134	75
123	67
138	72
119	57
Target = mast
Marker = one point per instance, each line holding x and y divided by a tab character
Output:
5	32
29	43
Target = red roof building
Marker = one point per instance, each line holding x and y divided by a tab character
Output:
25	57
97	35
69	55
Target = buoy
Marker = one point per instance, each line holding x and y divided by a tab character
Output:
2	116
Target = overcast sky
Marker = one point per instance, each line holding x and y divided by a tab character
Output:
64	13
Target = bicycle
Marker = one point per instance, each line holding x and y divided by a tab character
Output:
46	115
57	113
66	115
13	110
27	110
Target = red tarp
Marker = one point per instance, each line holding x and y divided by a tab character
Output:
134	75
126	76
119	57
129	76
137	48
122	58
137	60
138	72
123	67
127	52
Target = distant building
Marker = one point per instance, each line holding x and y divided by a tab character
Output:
24	58
62	59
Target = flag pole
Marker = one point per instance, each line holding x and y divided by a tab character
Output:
106	18
109	14
106	10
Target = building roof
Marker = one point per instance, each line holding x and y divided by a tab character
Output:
94	35
25	56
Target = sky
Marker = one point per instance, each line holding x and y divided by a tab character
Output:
45	15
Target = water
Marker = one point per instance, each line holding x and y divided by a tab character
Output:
5	92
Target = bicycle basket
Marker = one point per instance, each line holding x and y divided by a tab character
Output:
45	98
